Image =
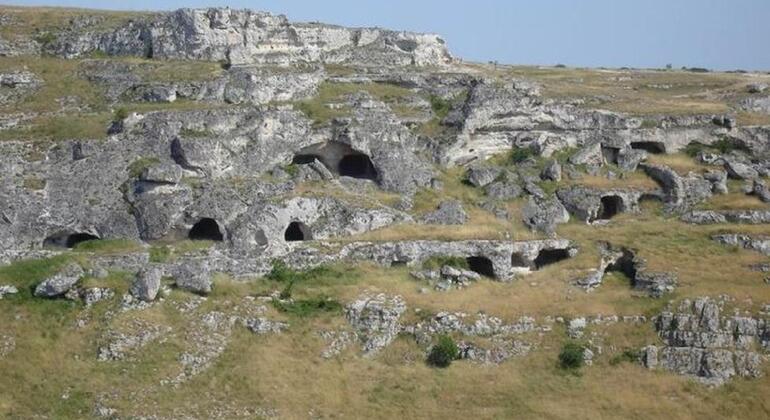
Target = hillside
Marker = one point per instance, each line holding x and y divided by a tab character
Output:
216	213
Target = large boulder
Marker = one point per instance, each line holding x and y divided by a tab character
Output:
146	284
544	215
61	282
376	319
194	279
481	175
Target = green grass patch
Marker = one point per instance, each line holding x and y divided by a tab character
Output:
435	263
443	352
108	246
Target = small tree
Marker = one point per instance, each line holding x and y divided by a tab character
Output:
571	356
444	352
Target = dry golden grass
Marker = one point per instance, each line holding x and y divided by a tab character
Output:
679	162
27	21
637	92
636	180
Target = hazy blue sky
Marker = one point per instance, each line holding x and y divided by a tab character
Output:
719	34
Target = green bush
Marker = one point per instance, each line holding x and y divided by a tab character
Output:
443	353
571	356
440	106
519	155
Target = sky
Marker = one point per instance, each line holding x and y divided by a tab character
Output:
720	35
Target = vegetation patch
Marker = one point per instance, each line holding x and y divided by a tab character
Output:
108	246
443	352
571	356
435	263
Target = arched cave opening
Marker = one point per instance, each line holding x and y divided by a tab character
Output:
357	166
611	206
550	256
68	240
654	147
340	158
206	229
481	265
297	231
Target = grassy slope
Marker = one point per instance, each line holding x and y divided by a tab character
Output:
54	358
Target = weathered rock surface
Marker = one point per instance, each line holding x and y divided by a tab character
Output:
544	214
375	319
700	342
146	284
448	213
8	290
61	282
244	36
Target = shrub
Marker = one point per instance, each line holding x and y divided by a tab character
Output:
45	38
519	155
440	106
571	356
443	353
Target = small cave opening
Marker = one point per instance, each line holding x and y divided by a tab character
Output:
398	263
610	154
68	240
304	159
550	256
654	147
297	231
625	265
611	206
518	261
357	166
206	229
481	265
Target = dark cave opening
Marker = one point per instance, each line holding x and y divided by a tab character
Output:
550	256
625	264
357	166
297	231
206	229
481	265
518	261
653	147
68	240
304	159
611	206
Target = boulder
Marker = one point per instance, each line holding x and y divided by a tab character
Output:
504	190
61	282
544	215
7	290
146	284
551	171
448	213
481	175
192	280
590	155
739	170
376	319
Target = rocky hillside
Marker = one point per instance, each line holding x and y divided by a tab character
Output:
220	213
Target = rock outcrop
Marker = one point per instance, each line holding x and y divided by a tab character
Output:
700	342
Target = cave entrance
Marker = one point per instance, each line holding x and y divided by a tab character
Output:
625	265
297	231
304	159
206	229
340	158
611	206
68	240
481	265
518	261
654	147
357	166
550	256
610	154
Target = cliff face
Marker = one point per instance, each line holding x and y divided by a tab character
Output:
248	37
